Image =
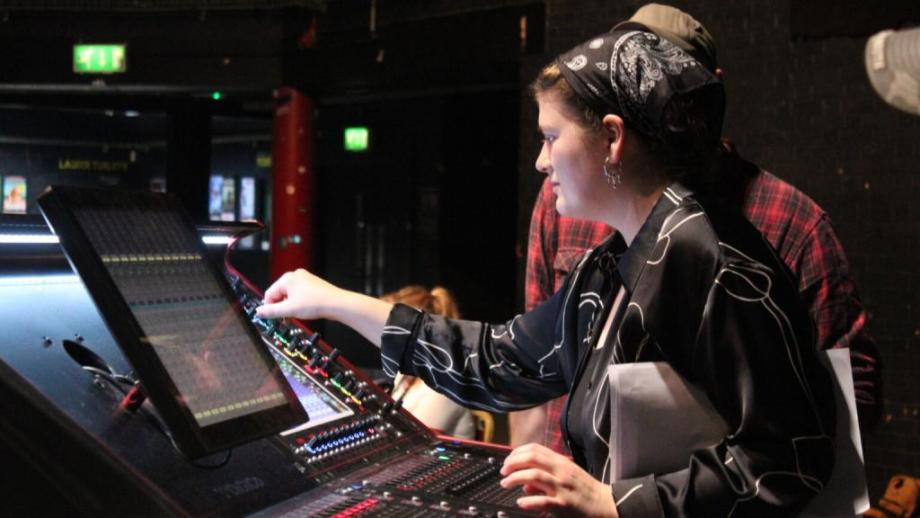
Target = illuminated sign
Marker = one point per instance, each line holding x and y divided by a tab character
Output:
263	161
102	166
356	139
99	59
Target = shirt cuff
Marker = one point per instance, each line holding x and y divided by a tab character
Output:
398	339
637	497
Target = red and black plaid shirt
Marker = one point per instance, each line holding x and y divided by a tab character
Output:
796	226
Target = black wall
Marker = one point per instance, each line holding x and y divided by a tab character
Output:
432	201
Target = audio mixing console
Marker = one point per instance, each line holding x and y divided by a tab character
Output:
358	454
375	459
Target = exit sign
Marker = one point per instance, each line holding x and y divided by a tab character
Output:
357	138
99	59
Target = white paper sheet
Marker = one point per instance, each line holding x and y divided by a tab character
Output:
657	419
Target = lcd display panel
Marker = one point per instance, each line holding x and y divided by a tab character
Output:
320	404
177	320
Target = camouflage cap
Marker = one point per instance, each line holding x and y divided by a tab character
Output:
679	28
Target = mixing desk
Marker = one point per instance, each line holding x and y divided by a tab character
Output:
358	454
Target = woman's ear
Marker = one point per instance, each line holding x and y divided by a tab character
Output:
616	136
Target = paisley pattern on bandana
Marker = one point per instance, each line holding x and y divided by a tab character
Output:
641	60
577	63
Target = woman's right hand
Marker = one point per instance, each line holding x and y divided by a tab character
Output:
553	483
299	294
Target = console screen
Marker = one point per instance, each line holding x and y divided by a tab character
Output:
174	314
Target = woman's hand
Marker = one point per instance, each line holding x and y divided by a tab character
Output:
554	483
298	294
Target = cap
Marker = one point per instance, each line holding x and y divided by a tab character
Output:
677	27
893	65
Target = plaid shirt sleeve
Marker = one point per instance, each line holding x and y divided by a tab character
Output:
840	320
802	234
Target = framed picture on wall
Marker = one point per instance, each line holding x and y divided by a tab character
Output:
215	197
247	198
14	195
228	199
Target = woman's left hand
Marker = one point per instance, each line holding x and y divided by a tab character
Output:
554	483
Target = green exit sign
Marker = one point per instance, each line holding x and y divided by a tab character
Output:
356	138
99	59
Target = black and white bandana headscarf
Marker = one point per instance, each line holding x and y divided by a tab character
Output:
634	74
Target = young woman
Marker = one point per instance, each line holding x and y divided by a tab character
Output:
630	123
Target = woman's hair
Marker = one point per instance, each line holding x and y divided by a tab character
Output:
437	301
551	82
684	152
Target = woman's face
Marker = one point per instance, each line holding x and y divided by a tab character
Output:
573	157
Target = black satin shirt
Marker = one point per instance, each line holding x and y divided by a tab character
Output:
705	293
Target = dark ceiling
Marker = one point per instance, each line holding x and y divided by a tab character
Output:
173	48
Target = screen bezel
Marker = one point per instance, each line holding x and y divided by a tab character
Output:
191	438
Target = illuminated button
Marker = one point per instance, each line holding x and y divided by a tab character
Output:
417	500
445	505
472	509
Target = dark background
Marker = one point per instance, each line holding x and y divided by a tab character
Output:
445	192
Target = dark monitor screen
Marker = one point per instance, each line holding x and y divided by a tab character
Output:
196	352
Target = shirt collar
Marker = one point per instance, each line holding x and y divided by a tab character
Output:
630	264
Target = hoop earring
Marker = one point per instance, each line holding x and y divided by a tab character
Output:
614	179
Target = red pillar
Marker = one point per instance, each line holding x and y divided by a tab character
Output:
293	225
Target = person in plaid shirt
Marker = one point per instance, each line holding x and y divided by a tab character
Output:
797	228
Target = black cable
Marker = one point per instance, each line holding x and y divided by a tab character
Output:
119	381
124	384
